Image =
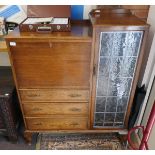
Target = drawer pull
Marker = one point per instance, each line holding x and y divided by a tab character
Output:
75	95
38	124
33	95
74	124
75	109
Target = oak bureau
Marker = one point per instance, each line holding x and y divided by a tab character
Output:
78	81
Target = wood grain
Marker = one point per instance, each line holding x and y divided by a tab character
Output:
47	64
56	95
57	123
38	109
39	54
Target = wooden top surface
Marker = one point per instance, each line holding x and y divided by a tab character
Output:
83	31
111	19
77	32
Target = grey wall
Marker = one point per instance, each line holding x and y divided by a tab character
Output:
151	141
4	59
149	56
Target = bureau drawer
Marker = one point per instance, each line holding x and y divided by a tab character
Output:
57	123
31	109
61	95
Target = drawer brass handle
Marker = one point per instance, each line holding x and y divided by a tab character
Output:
33	95
75	109
75	95
36	109
74	124
37	123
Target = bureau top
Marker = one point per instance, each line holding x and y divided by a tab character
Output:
78	31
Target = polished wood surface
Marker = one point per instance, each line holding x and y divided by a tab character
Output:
52	75
117	20
140	11
37	109
57	95
78	31
57	123
67	63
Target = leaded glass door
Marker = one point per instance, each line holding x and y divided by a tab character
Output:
118	54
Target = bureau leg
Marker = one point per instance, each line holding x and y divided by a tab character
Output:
28	137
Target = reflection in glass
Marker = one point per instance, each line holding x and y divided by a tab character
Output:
122	104
102	86
109	117
100	104
108	124
119	117
104	67
111	104
99	117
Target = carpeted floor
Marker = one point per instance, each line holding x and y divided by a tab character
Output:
5	144
102	141
49	141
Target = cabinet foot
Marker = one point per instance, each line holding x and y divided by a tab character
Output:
28	137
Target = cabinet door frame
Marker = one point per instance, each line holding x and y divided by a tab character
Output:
95	57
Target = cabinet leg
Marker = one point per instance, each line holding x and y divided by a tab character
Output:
28	137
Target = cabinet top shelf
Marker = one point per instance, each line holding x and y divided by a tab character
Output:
78	31
117	19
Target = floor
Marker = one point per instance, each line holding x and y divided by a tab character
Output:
5	144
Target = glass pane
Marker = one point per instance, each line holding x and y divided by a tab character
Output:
122	104
119	87
104	67
117	62
118	124
124	88
106	44
108	124
109	117
102	84
128	67
120	43
99	117
111	104
98	124
112	43
100	104
115	67
132	43
119	117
